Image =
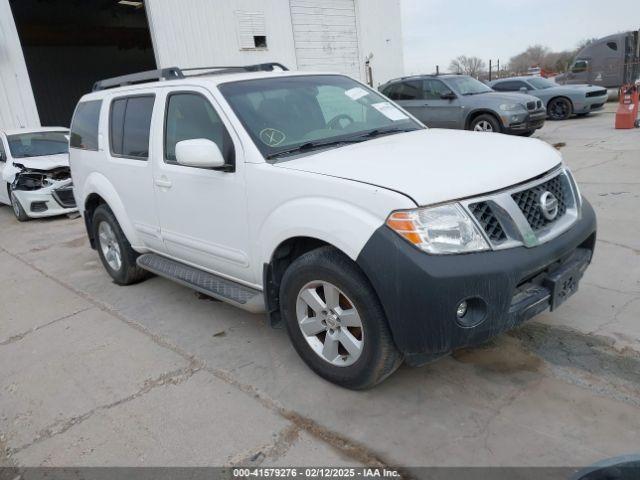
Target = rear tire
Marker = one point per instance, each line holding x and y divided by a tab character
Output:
18	211
559	109
355	357
485	123
116	254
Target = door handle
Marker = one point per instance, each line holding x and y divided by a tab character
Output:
163	182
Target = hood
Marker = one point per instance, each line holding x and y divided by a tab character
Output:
45	162
433	166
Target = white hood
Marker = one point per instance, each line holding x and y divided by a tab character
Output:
434	166
45	162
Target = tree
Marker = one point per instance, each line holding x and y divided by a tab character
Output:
473	66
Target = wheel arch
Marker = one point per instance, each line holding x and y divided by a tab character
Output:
97	190
556	97
482	111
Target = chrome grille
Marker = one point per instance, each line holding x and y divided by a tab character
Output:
513	217
529	202
488	221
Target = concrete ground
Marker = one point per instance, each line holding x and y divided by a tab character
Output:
154	374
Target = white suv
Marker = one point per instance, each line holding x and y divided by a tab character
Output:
314	198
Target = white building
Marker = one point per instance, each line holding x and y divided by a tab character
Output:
52	52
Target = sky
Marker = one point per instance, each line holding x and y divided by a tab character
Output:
436	31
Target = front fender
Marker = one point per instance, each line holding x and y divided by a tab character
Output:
341	224
100	185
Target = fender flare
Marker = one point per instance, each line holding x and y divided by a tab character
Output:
345	226
100	185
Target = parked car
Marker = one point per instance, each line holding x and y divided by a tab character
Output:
34	168
313	198
561	101
462	102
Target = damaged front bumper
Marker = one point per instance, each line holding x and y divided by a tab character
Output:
44	193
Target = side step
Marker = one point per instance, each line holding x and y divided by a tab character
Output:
228	291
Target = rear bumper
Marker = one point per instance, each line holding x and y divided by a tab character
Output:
420	292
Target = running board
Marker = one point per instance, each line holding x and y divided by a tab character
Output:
228	291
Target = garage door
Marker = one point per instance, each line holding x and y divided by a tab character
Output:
325	35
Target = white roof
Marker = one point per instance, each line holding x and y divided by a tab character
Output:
18	131
215	79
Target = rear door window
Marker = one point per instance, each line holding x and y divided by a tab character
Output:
130	126
84	126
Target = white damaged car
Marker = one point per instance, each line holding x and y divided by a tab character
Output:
34	167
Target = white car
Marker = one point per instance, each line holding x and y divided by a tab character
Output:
34	168
313	198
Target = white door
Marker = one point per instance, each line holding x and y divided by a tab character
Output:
325	35
202	211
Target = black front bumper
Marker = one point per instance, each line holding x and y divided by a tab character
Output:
420	292
534	121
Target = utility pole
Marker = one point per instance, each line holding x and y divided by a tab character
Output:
489	69
498	70
437	69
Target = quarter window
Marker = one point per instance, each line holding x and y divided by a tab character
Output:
129	126
84	126
190	116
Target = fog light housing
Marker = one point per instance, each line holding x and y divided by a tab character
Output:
461	311
471	312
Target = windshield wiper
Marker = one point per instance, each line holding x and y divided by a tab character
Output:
309	146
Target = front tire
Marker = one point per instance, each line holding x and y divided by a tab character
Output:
116	254
335	320
485	123
18	211
559	109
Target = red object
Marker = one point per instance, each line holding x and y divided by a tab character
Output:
628	107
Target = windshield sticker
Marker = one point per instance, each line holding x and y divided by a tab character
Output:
272	137
389	111
356	92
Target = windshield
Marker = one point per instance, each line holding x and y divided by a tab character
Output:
286	114
541	83
38	144
467	85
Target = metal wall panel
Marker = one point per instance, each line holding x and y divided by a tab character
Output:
326	35
194	33
17	104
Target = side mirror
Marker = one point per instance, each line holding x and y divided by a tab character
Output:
448	95
199	152
524	90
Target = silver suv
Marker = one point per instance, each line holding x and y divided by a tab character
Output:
462	102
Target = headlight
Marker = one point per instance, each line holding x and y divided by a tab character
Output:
438	230
510	107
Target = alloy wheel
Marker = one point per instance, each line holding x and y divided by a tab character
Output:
330	323
109	246
483	126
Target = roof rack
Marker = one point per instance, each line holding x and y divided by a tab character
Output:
175	73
